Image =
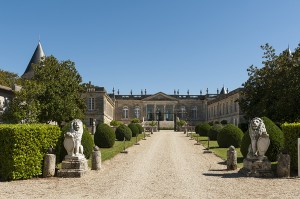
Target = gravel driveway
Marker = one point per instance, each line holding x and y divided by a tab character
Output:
166	165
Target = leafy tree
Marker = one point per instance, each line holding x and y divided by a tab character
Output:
9	78
273	90
53	94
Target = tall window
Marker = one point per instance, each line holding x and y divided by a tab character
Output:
91	103
125	112
137	112
194	112
182	112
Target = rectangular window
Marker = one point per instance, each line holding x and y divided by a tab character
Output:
91	104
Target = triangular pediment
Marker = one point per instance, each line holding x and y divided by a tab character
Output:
160	97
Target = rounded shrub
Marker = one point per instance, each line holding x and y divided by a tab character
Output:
105	136
230	135
122	132
134	129
276	140
87	142
202	129
141	129
214	130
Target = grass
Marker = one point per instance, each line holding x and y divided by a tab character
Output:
220	152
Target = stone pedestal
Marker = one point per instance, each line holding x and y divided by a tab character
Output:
49	165
257	167
96	159
73	167
231	158
283	165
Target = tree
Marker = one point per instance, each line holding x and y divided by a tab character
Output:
53	94
8	78
273	90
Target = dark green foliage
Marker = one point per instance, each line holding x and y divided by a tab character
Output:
276	140
135	120
115	123
105	136
230	135
134	129
87	142
243	126
291	135
122	132
224	122
214	130
8	78
141	129
22	149
202	129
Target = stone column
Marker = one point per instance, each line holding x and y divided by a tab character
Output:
231	158
49	165
283	165
96	159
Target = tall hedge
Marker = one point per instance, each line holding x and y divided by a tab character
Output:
230	135
22	149
202	129
122	132
141	129
291	135
276	140
105	136
87	142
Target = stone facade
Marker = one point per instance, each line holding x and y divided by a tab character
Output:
100	107
226	107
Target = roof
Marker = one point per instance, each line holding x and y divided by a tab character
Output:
35	59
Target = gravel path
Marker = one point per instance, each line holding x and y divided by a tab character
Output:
166	165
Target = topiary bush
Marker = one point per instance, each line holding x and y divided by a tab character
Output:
115	123
135	120
202	129
214	131
230	135
141	129
134	129
87	142
276	140
105	136
122	132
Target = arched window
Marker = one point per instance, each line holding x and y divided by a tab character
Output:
125	112
137	112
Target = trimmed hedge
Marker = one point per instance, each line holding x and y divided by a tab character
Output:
214	131
105	136
291	135
22	149
230	135
122	132
202	129
134	129
276	140
87	142
141	129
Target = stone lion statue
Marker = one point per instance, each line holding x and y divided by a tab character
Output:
72	142
259	138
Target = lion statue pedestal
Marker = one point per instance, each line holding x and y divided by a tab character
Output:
257	164
74	164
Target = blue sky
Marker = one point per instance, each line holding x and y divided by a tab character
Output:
158	45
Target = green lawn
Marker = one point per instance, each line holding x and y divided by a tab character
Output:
220	152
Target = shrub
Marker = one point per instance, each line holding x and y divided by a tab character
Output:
134	129
141	129
276	140
202	129
224	122
214	130
22	149
105	136
181	123
291	135
87	142
230	135
122	132
115	123
135	120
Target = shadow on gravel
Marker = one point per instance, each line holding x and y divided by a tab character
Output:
224	175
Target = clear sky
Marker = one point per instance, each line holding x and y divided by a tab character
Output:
158	45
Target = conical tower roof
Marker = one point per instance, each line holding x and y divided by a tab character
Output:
223	91
35	59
